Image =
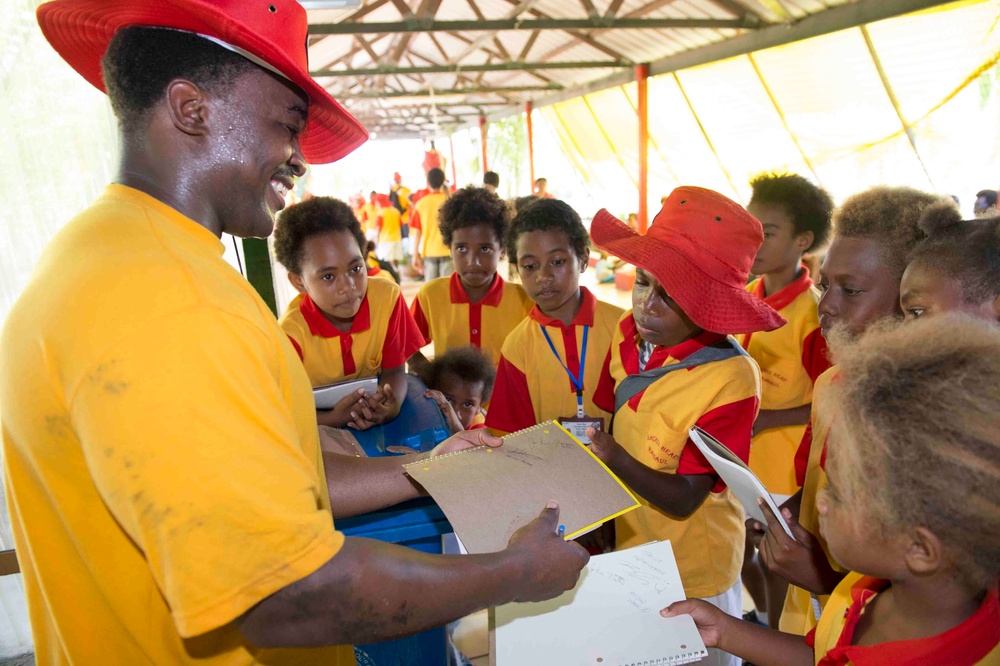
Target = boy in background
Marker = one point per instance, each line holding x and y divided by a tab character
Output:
430	253
474	306
795	216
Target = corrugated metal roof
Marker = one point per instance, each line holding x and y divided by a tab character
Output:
398	88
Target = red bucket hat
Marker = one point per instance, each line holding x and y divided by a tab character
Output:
700	248
271	33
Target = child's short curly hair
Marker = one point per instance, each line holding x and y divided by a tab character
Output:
889	216
318	215
544	215
466	363
808	206
918	433
968	251
471	206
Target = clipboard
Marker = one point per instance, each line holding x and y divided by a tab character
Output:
744	483
328	396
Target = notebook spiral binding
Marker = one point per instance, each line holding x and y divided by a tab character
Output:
684	658
545	424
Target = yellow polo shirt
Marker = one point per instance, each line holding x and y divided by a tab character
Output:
425	217
798	615
790	360
722	398
368	216
531	384
389	225
974	641
383	335
160	454
445	315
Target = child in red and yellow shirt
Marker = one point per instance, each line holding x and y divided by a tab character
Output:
551	362
474	306
343	325
689	296
795	216
911	504
874	233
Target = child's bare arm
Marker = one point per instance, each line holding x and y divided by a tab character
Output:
417	363
755	644
780	418
447	410
679	495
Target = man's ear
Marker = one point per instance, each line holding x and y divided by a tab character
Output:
924	553
187	106
297	282
804	240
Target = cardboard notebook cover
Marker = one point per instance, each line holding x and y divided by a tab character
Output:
744	483
489	493
611	617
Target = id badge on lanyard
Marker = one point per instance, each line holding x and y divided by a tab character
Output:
577	426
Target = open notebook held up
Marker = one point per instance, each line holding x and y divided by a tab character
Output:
744	483
487	494
612	617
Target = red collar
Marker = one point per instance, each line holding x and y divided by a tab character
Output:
963	645
492	298
784	297
585	317
629	349
321	326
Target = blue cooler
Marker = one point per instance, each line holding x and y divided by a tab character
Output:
417	524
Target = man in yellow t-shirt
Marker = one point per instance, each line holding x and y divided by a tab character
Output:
168	496
430	253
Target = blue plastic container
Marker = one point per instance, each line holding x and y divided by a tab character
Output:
417	524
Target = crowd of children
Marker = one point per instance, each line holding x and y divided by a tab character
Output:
885	464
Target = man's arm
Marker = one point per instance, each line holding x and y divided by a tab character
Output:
362	485
374	591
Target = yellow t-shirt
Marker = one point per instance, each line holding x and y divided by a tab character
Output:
720	397
975	641
160	452
383	335
444	314
531	384
403	193
368	217
425	216
790	360
389	222
799	613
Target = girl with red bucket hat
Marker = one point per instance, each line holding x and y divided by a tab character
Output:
689	297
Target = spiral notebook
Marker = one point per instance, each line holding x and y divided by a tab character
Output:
489	493
611	618
744	483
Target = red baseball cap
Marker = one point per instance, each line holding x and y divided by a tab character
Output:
700	248
271	33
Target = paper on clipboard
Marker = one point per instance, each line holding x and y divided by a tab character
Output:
744	483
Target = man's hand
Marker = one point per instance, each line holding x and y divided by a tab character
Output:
711	622
374	409
466	439
551	565
801	561
603	445
447	409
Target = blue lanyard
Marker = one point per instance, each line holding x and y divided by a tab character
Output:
576	380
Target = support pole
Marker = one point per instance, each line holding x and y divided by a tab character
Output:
641	79
454	173
482	134
528	108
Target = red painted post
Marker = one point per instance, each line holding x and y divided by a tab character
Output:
454	174
482	132
641	78
528	108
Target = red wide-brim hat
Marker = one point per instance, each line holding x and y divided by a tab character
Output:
271	33
700	247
